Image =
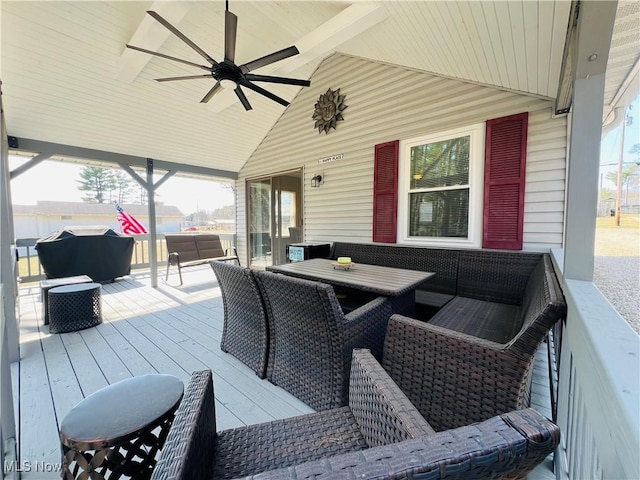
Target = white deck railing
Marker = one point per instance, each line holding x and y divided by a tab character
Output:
140	257
598	391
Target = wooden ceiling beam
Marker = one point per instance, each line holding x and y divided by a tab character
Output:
150	35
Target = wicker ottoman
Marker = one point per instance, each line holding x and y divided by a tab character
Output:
74	307
48	284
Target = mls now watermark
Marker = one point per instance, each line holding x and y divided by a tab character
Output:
27	466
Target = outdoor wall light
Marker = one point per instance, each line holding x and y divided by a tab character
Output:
316	180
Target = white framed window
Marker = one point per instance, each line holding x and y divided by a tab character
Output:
440	188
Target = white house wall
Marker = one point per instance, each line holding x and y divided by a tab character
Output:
387	103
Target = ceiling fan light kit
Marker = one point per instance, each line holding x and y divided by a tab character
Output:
228	84
227	74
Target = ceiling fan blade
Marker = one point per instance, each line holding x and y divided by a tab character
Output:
216	88
267	78
243	98
133	47
271	58
181	36
266	93
171	79
230	29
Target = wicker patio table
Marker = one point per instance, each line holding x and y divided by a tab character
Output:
399	283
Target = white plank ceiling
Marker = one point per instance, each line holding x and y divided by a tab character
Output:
67	77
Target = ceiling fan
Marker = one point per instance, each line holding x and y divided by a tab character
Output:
227	74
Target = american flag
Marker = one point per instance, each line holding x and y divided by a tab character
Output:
130	226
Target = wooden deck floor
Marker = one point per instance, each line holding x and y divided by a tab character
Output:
171	329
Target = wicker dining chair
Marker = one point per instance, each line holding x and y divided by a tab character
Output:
245	332
311	339
380	434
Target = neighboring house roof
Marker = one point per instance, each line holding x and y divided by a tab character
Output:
81	208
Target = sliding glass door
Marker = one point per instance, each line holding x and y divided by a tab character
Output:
274	217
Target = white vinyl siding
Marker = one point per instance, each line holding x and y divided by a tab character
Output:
388	103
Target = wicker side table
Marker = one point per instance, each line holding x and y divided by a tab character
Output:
48	284
74	307
118	431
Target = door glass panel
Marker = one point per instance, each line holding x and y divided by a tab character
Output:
287	195
288	201
275	211
260	223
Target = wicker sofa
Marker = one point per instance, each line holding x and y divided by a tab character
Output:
379	435
489	294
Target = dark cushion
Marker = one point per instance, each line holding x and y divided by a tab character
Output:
497	322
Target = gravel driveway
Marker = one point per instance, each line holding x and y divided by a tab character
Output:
618	278
617	266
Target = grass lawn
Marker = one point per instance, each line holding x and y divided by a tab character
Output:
618	241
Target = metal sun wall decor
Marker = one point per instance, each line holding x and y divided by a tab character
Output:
328	110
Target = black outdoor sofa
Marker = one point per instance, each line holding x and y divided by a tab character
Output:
489	294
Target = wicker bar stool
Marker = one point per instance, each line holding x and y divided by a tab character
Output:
74	307
118	431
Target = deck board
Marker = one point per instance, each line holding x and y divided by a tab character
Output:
170	329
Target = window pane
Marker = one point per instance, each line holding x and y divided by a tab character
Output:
440	164
439	214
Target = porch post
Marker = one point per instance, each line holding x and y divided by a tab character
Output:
8	265
153	236
582	177
150	188
9	337
589	54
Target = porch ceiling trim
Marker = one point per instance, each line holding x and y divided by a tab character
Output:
51	149
586	49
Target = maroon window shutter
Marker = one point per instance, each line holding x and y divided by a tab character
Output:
504	182
385	192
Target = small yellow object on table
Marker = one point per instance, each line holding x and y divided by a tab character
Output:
343	263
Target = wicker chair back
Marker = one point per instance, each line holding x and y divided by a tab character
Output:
245	333
311	339
307	355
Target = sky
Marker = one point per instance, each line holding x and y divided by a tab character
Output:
57	181
610	146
